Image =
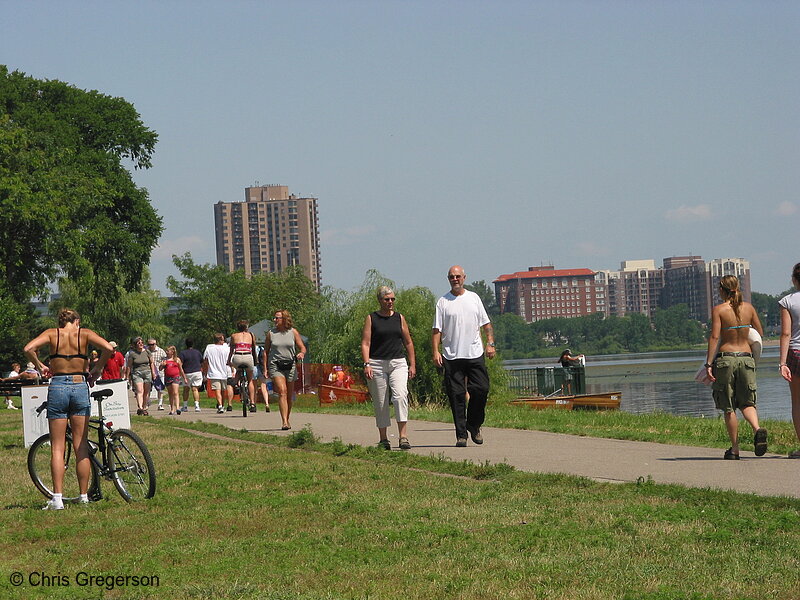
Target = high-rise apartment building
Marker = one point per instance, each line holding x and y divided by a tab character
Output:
686	282
545	293
719	267
635	288
268	232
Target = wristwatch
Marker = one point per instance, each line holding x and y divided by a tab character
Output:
366	364
490	344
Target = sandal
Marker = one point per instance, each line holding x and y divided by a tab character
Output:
760	441
729	455
405	444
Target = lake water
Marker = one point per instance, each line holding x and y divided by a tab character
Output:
664	382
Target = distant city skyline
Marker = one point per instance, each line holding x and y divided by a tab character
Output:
491	135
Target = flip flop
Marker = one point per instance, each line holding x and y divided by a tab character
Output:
729	455
760	441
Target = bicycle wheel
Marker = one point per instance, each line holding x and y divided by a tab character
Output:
39	470
244	396
131	466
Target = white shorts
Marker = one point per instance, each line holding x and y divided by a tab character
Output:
195	379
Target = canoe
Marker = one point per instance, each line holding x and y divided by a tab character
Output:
598	401
329	394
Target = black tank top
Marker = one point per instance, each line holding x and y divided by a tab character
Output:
386	342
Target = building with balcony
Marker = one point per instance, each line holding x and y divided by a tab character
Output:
268	232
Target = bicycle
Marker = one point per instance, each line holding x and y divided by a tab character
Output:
244	392
118	455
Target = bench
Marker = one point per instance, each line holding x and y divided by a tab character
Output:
13	387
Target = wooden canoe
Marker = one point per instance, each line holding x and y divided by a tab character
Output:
598	401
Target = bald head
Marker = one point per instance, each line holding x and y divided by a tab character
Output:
456	277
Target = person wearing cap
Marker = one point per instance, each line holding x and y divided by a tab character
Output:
567	362
113	369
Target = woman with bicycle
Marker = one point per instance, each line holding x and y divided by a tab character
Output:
68	395
173	375
242	356
281	354
141	370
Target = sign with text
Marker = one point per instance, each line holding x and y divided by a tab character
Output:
115	408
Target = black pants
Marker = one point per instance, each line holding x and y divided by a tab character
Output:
464	375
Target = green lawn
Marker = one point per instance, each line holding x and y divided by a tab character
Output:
244	516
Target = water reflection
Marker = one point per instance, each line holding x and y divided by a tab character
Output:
664	381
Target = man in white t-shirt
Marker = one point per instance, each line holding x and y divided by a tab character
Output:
460	316
215	368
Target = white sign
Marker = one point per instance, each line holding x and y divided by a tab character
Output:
115	408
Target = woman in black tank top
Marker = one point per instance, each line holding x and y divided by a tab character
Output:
68	394
385	341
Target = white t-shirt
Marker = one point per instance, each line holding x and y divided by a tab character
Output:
459	319
792	304
217	357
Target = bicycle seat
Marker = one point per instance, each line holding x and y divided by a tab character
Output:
101	395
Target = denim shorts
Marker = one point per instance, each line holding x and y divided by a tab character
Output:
67	396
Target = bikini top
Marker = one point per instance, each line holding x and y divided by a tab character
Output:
68	356
738	327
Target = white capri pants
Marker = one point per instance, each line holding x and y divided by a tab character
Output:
389	383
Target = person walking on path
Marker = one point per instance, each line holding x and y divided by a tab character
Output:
790	349
159	356
215	366
68	395
459	318
173	375
383	338
192	361
141	369
731	367
281	355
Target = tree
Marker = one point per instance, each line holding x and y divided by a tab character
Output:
210	299
137	312
68	206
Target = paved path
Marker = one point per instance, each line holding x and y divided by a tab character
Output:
540	452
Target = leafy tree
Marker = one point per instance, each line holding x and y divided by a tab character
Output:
673	327
68	206
209	299
139	312
768	308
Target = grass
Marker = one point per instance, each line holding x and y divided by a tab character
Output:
657	427
245	516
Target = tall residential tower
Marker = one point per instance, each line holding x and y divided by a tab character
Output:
269	231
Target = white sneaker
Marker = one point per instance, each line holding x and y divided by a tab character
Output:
10	405
196	407
52	505
160	407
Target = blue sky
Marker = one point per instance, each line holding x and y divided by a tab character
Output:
493	135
